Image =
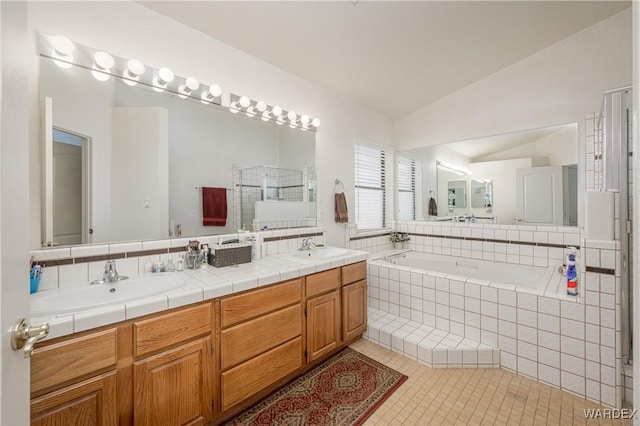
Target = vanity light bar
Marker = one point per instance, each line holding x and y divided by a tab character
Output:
131	71
103	66
453	168
266	112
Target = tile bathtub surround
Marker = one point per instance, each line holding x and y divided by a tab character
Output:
76	266
572	345
518	244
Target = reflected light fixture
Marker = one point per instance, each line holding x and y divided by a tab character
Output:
103	62
164	77
132	72
190	84
462	171
62	51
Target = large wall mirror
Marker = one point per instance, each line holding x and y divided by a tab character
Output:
516	178
128	163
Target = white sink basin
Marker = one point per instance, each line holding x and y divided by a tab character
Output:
97	295
322	253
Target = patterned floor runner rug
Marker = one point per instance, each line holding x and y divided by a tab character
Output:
344	390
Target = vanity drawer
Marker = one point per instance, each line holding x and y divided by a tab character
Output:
242	307
323	282
255	375
251	338
169	329
354	272
72	359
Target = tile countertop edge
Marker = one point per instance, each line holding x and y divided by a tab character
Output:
198	283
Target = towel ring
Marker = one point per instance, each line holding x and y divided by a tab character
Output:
337	190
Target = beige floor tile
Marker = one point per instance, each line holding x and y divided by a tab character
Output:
484	396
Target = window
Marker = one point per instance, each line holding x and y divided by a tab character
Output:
371	180
406	188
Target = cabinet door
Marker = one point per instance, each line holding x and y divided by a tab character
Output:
354	309
174	387
90	402
323	324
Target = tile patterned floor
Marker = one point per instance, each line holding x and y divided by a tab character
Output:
472	397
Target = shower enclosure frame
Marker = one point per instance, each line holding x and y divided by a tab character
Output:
617	154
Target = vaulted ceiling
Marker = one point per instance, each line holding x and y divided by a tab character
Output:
392	57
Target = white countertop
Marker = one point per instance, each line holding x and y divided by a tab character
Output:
201	284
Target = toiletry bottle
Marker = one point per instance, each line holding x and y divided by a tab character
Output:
148	267
572	276
169	267
180	263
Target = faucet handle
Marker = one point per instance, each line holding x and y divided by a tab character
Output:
110	265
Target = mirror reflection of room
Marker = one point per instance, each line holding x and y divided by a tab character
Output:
523	177
150	156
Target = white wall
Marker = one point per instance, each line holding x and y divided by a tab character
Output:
140	173
129	30
561	148
560	84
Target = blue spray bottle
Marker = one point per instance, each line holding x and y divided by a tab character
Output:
572	276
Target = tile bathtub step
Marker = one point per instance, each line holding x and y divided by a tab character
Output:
428	345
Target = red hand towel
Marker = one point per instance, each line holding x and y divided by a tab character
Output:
214	206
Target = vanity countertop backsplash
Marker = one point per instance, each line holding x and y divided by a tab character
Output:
195	285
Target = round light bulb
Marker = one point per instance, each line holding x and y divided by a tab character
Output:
166	75
261	106
265	116
98	74
104	60
204	97
135	68
291	115
304	119
192	83
62	49
276	111
245	102
315	122
62	45
102	66
132	74
215	90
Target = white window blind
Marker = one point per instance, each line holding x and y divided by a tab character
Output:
370	187
406	188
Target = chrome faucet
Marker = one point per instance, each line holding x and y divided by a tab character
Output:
307	244
110	273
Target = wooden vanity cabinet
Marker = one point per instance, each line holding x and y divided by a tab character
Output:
354	300
336	308
174	374
260	340
202	363
73	381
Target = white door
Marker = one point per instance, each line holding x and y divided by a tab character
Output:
539	196
14	208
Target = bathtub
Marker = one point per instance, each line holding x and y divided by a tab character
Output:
503	275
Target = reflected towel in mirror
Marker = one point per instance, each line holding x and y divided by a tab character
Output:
433	207
214	206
